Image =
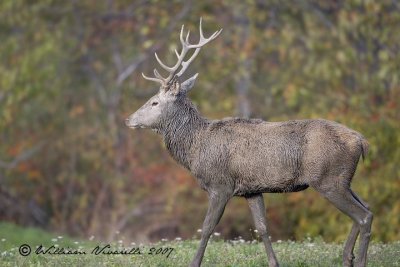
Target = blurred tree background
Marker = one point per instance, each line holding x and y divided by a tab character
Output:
70	75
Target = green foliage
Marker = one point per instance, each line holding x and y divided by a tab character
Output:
69	75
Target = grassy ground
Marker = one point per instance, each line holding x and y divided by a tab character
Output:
218	253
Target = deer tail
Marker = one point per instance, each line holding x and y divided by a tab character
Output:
364	147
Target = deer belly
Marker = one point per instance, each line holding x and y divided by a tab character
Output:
243	189
275	178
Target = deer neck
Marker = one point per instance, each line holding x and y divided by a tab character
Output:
181	132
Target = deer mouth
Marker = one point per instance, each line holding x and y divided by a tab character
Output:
133	125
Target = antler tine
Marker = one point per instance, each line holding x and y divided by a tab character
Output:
201	28
187	37
215	34
158	75
181	34
176	53
162	64
203	41
153	79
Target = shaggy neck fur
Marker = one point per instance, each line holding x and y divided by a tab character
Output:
180	129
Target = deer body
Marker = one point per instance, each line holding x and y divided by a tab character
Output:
255	156
248	157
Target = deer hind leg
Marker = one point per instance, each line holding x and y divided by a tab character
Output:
256	204
347	202
348	255
217	203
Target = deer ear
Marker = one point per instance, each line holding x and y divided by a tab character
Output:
188	84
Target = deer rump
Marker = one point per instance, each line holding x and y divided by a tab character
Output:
255	156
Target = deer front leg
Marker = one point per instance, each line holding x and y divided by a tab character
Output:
256	204
217	203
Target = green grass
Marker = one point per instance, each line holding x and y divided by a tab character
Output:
219	253
12	235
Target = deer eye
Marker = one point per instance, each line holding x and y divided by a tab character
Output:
154	104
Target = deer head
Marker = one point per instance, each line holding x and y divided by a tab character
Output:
171	89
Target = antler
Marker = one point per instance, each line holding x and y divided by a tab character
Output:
186	46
